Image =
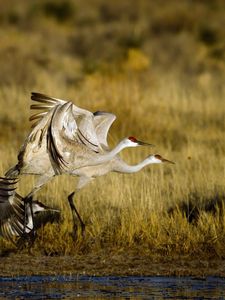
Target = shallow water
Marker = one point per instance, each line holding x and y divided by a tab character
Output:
69	287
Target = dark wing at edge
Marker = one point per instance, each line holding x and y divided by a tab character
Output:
57	160
12	209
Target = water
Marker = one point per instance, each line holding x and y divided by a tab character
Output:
70	287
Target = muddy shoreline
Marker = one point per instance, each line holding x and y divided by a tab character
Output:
109	265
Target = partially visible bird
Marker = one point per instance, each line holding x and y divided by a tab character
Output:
37	215
19	218
42	214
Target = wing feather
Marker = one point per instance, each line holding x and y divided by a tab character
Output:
11	209
68	117
57	125
102	122
71	124
43	102
37	116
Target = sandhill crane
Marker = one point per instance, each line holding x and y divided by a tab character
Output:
18	219
116	164
64	139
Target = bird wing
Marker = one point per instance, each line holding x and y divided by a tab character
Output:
102	123
43	103
54	133
76	123
87	134
67	128
11	209
36	142
60	124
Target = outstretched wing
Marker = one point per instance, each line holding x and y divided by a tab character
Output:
76	124
11	209
102	123
59	127
70	127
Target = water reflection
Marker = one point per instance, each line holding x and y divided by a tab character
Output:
69	287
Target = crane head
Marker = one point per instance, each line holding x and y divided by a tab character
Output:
158	159
133	142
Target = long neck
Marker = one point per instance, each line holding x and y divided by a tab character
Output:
108	155
123	167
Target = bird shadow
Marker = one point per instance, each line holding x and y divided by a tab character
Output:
46	217
192	207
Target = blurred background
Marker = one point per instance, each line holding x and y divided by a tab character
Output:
68	39
56	46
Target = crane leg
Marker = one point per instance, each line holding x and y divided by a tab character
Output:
75	214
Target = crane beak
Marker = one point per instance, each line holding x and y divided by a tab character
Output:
140	143
168	161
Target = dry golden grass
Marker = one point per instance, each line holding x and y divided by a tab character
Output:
176	105
144	210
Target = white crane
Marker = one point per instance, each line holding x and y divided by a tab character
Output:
64	139
19	218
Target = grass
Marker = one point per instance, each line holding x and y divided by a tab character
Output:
164	209
128	211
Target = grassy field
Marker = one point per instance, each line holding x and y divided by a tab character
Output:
161	71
